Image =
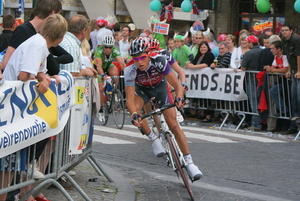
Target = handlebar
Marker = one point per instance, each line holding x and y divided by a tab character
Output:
159	110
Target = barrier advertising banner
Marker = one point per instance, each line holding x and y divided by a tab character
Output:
218	83
80	117
26	116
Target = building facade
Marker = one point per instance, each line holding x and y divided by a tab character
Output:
227	16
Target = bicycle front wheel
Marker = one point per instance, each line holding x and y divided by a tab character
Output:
179	166
118	108
103	117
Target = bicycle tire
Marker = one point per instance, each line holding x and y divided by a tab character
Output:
118	108
179	166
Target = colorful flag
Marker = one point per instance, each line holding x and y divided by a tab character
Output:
195	8
162	15
21	6
161	28
170	12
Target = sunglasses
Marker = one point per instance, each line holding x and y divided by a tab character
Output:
140	58
107	47
198	38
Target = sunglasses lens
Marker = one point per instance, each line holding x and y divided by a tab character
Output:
139	58
108	47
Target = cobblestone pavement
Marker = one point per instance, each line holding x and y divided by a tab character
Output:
100	190
150	186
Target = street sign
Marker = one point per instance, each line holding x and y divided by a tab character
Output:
202	16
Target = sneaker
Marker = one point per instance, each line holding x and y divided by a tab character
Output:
254	128
36	172
194	171
157	147
65	184
72	173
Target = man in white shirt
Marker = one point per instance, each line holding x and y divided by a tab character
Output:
124	43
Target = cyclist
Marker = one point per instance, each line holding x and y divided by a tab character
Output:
103	58
146	78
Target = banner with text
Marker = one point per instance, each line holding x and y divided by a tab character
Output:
218	83
27	117
80	117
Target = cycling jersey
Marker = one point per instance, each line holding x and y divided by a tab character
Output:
151	77
106	59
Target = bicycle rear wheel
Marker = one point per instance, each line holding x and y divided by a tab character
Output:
118	108
179	166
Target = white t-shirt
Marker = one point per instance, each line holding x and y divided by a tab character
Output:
93	36
30	57
124	45
101	33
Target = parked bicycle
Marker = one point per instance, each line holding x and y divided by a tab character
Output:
174	156
113	103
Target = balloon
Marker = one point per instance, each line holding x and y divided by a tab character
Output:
263	6
186	6
155	5
297	6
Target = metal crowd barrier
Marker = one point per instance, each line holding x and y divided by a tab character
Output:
56	158
249	107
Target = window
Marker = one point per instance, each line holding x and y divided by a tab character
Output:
251	19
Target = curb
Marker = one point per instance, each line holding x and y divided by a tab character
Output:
125	190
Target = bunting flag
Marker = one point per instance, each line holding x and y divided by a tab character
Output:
162	15
195	8
170	12
21	6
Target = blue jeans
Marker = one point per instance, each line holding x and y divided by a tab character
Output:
278	92
252	97
295	100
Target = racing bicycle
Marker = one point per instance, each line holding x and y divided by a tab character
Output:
174	156
113	103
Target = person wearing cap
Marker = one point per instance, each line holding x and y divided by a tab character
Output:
102	23
132	29
198	38
182	54
251	62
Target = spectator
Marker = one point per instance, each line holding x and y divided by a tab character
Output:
24	63
198	38
238	53
223	58
117	37
132	29
124	43
230	40
171	45
182	54
117	27
103	31
77	30
291	48
204	57
93	34
279	65
251	63
266	59
9	27
209	38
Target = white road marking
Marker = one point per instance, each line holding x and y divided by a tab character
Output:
110	140
242	136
